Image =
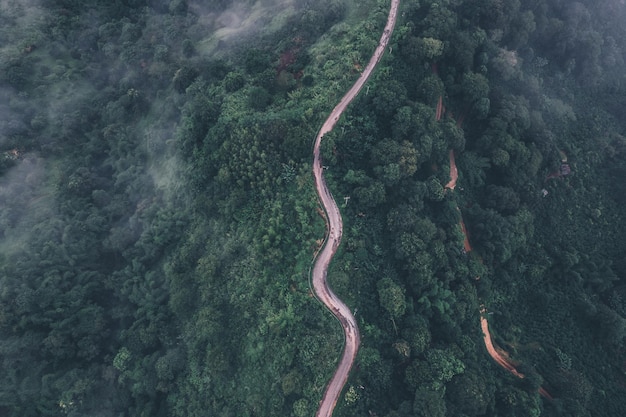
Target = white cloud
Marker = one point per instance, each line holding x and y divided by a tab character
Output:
25	201
239	21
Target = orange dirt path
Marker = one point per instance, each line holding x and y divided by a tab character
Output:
496	353
454	172
493	352
439	112
466	242
499	355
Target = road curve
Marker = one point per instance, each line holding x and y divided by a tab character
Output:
334	230
500	356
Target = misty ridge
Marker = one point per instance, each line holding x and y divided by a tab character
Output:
98	184
48	105
24	190
66	69
79	84
241	20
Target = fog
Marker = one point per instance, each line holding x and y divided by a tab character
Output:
240	21
26	200
19	18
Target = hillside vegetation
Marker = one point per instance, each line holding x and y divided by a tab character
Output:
158	217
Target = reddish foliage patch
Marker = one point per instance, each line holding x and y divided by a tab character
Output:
286	59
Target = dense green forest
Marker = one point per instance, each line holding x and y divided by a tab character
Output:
158	217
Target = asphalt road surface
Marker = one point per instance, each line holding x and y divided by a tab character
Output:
334	226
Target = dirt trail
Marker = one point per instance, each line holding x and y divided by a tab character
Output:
466	243
496	353
499	355
454	172
439	111
493	351
334	231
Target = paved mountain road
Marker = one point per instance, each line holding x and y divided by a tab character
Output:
334	226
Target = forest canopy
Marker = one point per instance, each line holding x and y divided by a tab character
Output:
158	216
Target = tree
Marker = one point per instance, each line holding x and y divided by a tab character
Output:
453	134
473	168
403	123
396	160
429	402
258	98
503	199
521	29
507	64
292	383
356	177
443	364
435	299
408	245
401	218
417	334
389	96
425	229
301	408
611	325
422	49
408	159
256	61
469	393
435	189
430	47
440	22
178	7
475	87
234	81
372	195
391	297
499	157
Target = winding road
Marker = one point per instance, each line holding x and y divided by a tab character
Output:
334	231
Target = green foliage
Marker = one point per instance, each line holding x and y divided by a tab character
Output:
419	49
429	402
418	336
435	189
430	47
475	87
443	365
158	215
258	98
469	393
436	298
391	297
